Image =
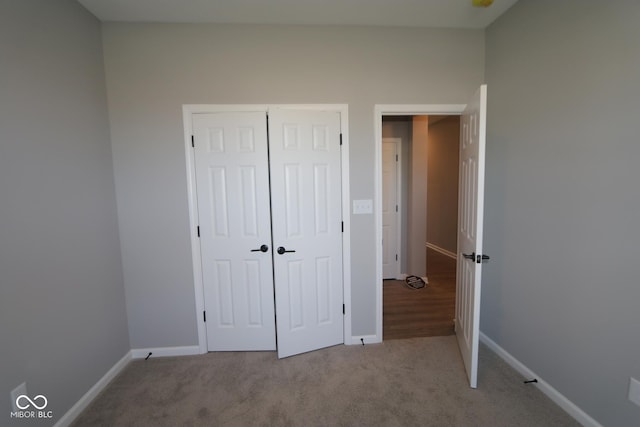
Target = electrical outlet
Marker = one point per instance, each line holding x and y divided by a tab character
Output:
21	389
361	207
634	390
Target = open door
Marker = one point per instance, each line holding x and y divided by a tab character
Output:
470	224
306	205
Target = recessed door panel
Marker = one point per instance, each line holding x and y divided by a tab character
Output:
218	202
253	286
292	200
295	287
250	213
224	291
321	183
215	138
323	289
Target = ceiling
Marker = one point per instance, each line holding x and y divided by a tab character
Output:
404	13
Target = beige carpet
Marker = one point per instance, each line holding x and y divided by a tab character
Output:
413	382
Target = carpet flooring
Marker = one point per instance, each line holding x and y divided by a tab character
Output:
412	382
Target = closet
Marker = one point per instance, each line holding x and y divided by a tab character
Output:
269	213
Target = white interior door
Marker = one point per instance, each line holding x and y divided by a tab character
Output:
470	224
232	179
307	224
390	209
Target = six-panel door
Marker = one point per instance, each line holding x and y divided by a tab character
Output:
470	223
307	224
232	178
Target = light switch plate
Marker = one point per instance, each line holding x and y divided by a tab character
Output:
362	207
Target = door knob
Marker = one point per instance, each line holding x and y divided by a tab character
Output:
282	250
471	256
263	248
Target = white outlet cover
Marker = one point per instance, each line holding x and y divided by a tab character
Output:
634	391
21	389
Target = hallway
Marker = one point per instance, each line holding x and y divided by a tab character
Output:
409	313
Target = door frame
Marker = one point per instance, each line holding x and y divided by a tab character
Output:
196	257
398	181
394	110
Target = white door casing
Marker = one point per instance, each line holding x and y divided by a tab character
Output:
470	225
390	209
232	178
305	163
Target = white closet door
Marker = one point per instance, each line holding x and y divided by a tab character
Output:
307	226
232	179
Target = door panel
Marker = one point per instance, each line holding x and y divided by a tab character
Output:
307	220
232	180
470	224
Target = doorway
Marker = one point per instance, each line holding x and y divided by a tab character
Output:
470	256
427	179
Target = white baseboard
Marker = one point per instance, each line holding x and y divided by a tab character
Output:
88	397
141	353
553	394
442	250
368	339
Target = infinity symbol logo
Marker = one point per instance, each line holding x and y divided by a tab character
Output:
23	397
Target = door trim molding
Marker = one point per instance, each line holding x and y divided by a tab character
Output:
394	110
187	111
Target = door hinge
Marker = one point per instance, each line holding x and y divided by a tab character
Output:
198	230
396	208
396	157
396	257
342	226
204	315
340	139
343	309
193	143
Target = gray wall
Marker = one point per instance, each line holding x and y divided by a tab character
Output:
62	311
153	69
417	216
561	212
442	182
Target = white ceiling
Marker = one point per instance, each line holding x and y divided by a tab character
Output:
405	13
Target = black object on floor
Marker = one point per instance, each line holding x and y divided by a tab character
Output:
414	282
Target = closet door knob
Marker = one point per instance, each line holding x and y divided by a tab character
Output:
263	248
282	250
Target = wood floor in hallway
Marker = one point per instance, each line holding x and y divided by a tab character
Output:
426	312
